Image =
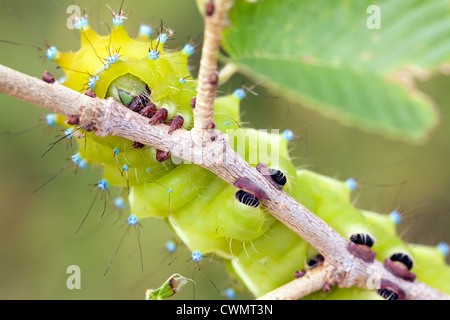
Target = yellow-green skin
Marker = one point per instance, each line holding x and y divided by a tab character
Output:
257	249
431	267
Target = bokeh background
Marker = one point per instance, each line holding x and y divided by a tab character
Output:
37	230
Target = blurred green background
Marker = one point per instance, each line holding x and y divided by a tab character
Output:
37	230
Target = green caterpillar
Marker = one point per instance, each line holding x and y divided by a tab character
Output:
202	209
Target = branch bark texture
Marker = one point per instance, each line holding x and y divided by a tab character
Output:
208	77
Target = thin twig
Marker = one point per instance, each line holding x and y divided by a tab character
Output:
208	77
108	117
312	281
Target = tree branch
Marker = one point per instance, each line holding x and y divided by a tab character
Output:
208	78
108	117
312	281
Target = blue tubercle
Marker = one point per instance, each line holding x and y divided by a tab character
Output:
189	49
163	37
288	135
103	184
169	190
240	93
229	293
118	20
76	158
51	119
83	164
92	82
119	203
116	151
227	123
171	246
196	256
69	133
182	80
443	248
153	54
395	216
351	184
51	53
145	30
113	58
133	220
125	167
81	23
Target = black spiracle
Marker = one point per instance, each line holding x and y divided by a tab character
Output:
278	176
247	198
362	238
388	294
403	258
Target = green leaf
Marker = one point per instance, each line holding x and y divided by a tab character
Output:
322	55
168	288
